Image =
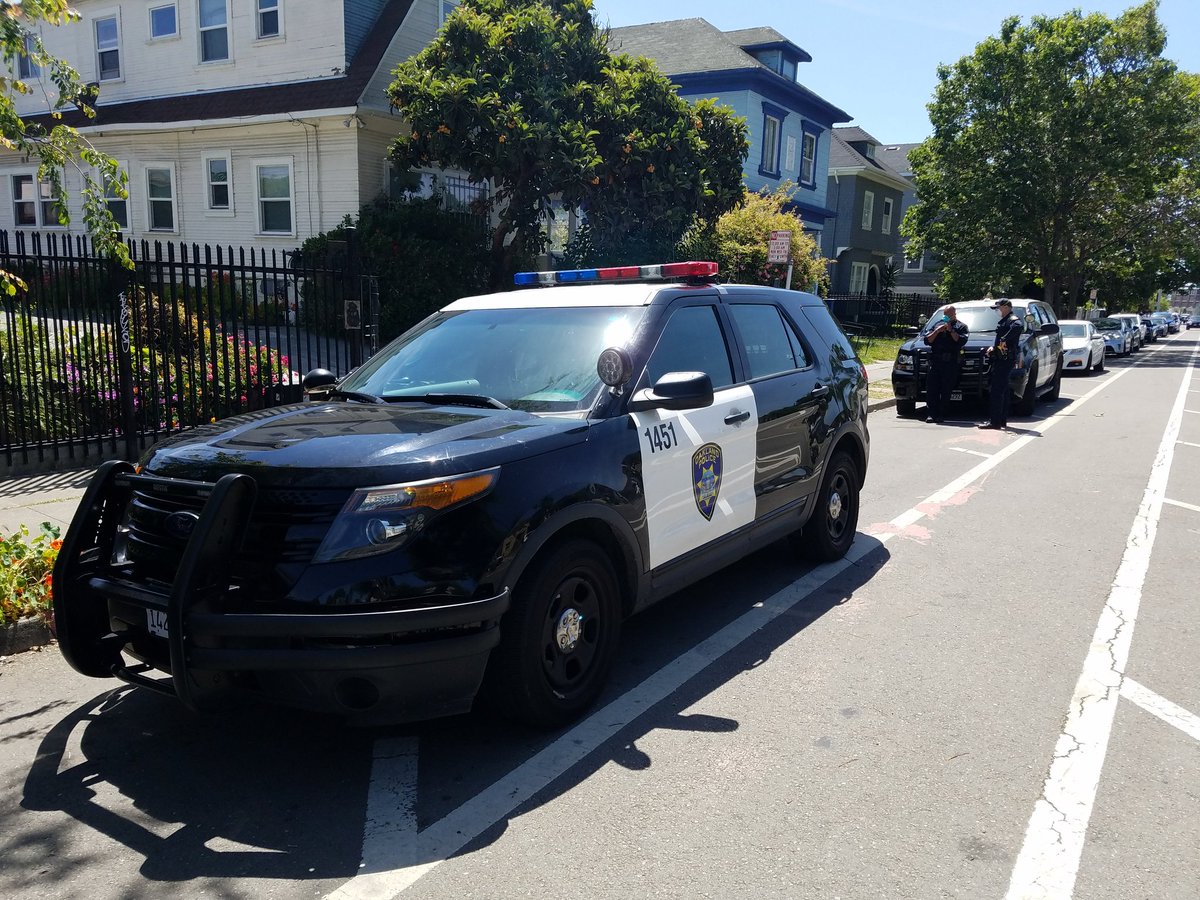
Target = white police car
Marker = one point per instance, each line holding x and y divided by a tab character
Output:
483	502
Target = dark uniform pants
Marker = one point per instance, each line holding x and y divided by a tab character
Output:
999	392
943	374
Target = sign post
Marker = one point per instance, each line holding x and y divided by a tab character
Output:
779	250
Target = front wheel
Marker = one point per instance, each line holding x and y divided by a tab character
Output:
1099	367
1056	390
1024	406
559	639
829	532
906	409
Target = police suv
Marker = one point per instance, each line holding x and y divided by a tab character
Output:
480	504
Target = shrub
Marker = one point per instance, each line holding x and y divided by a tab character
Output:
26	563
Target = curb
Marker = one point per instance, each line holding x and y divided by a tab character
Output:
873	405
24	634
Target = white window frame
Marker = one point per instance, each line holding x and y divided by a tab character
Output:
256	167
917	265
808	160
789	155
12	192
200	31
168	36
27	69
109	201
885	221
151	200
860	274
209	209
868	214
769	160
276	7
445	8
115	16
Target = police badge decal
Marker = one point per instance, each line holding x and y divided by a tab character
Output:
706	478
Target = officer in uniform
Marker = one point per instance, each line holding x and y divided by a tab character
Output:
945	341
1004	354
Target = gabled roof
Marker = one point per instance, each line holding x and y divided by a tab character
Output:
852	134
335	92
895	156
845	158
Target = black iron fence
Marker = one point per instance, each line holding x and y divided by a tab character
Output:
97	361
883	310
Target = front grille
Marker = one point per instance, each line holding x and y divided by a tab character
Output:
286	527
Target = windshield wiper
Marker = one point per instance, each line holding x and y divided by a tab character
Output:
478	400
359	396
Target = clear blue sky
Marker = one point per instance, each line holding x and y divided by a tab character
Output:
877	59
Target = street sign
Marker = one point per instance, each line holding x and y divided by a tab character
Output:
779	247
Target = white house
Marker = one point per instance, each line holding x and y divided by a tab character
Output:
240	122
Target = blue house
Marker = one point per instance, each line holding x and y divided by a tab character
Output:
753	71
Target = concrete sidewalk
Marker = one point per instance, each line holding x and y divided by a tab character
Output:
53	496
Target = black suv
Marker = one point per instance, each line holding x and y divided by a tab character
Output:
481	503
1041	355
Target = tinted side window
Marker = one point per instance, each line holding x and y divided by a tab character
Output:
765	339
827	327
692	342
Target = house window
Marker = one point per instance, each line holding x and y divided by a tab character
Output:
869	150
885	224
24	201
217	175
859	273
108	48
273	180
868	209
808	159
160	197
445	7
163	21
913	264
268	18
117	205
27	69
214	30
769	164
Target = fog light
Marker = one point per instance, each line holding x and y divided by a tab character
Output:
381	531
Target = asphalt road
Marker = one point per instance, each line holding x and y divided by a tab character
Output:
994	696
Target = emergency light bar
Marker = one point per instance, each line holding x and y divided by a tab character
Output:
619	273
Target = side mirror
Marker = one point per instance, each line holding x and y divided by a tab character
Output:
318	380
675	390
1050	328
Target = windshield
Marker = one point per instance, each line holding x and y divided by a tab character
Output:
979	319
536	360
1108	325
1071	329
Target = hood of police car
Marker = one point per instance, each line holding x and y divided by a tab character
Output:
339	443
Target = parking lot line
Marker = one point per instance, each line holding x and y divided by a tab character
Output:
1049	859
1181	504
972	452
1189	444
1187	722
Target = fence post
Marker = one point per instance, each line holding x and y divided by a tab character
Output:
120	283
352	298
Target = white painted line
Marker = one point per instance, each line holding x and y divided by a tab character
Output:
1187	722
391	821
1049	859
1181	504
973	452
394	866
1189	444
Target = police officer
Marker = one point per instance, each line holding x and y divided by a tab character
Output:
1004	355
945	341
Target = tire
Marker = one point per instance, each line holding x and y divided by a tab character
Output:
533	676
906	409
1099	367
1056	390
1028	400
830	530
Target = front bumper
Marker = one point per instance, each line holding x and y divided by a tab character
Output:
377	665
1076	359
972	382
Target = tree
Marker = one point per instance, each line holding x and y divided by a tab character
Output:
1050	143
737	242
524	94
58	146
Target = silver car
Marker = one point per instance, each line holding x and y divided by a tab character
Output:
1083	347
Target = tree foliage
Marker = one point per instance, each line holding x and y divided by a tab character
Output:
737	242
524	94
58	147
1052	147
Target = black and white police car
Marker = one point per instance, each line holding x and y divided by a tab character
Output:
482	503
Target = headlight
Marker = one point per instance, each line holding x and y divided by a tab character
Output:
904	362
378	519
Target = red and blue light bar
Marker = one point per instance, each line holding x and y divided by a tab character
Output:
693	269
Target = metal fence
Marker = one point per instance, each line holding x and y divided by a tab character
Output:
97	361
884	310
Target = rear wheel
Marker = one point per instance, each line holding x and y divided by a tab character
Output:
559	638
906	409
1099	367
829	532
1056	390
1024	406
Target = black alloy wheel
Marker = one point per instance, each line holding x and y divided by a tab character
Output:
830	530
559	639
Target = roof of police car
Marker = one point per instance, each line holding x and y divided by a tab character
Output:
639	293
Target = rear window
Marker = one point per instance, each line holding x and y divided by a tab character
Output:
829	331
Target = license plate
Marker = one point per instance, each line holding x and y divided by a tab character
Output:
956	395
156	622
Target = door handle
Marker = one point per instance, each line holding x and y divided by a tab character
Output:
736	418
819	391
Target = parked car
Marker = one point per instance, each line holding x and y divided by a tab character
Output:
1117	339
1041	355
480	503
1152	329
1194	322
1163	321
1083	347
1137	333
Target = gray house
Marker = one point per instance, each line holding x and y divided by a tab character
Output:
868	197
917	273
